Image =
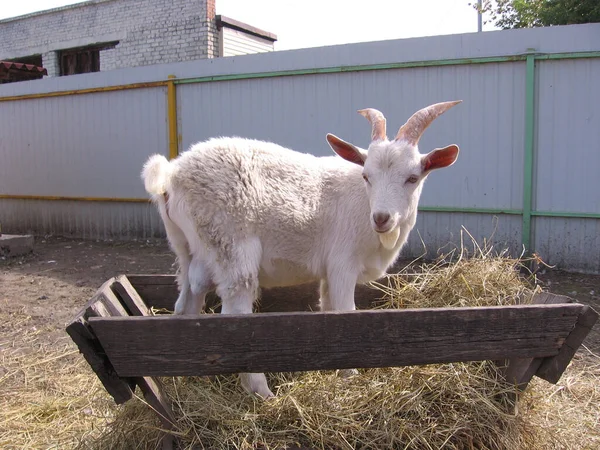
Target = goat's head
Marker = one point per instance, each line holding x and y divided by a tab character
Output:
394	170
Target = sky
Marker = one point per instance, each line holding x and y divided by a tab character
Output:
315	23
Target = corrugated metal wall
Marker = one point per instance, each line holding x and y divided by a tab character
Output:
74	218
93	145
81	145
568	136
234	42
567	162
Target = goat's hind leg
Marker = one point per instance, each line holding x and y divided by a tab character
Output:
195	282
200	282
180	246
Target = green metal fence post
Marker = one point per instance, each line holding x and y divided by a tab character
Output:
529	153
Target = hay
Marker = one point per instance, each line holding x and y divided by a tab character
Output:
50	398
453	406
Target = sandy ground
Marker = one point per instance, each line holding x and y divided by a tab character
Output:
41	292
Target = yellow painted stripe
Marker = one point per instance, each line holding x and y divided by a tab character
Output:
76	199
172	117
122	87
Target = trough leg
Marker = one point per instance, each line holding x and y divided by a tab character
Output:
152	390
520	371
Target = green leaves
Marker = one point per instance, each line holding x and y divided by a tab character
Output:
539	13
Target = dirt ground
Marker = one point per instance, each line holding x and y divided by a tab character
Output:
41	292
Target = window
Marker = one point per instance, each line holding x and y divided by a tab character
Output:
82	59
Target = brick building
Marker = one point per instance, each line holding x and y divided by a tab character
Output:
99	35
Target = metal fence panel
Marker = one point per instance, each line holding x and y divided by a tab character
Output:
568	243
90	145
88	220
568	136
299	111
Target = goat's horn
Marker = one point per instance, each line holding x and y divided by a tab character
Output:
377	122
414	127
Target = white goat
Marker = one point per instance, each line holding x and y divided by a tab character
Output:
242	214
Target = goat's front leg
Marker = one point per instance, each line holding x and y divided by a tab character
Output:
324	301
337	294
241	303
238	287
339	289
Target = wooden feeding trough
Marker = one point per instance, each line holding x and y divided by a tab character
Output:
127	346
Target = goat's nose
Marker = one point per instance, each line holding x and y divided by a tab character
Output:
381	218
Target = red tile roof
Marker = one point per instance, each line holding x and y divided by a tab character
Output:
6	66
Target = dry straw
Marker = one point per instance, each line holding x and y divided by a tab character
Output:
49	397
451	406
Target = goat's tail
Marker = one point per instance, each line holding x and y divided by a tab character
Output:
155	174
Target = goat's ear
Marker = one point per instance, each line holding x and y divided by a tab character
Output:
346	150
439	158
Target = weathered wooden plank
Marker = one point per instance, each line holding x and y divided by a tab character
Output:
305	297
160	291
130	297
281	342
153	393
138	280
158	296
152	390
81	334
551	369
520	371
111	302
150	387
118	388
548	298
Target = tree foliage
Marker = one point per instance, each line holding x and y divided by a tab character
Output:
540	13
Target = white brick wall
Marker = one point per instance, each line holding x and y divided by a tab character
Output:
50	62
148	31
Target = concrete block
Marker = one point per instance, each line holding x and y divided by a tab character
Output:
15	245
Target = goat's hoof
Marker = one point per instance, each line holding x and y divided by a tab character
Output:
179	308
347	373
266	395
263	394
256	384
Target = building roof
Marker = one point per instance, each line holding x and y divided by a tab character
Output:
9	67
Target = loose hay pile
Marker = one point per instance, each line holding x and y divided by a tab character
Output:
49	396
454	406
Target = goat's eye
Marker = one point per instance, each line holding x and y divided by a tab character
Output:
366	178
412	179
